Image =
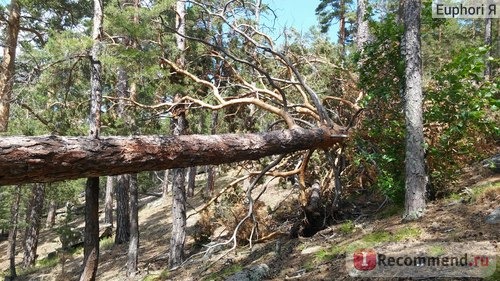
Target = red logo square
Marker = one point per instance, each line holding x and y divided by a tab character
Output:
365	259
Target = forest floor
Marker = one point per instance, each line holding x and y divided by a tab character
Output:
458	218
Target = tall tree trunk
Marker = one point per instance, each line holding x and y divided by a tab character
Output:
487	42
415	177
108	200
122	209
33	221
51	214
91	235
7	69
191	181
14	217
123	181
179	127
342	33
363	31
133	247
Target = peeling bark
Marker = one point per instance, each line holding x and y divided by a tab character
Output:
8	67
53	158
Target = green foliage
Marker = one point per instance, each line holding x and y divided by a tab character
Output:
460	115
380	141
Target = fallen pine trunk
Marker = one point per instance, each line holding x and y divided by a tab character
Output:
55	158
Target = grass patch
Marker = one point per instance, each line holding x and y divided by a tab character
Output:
378	236
453	197
165	274
40	265
407	233
436	251
347	227
488	191
216	276
151	278
106	243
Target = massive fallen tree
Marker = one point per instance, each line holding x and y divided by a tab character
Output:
55	158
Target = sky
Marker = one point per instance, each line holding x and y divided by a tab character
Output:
296	13
300	14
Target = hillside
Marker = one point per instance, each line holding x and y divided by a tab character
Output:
459	218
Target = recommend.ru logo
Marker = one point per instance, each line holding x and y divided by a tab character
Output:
468	259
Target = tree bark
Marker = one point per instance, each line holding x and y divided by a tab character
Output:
209	188
487	42
363	31
133	247
45	159
415	177
342	33
51	214
108	201
164	185
179	127
191	181
14	217
211	169
91	235
33	221
91	238
7	68
122	209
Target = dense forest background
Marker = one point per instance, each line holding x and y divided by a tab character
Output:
213	67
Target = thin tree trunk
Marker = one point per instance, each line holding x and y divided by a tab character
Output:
179	127
209	188
122	209
487	42
91	235
211	169
164	185
191	181
7	68
363	31
33	221
414	160
133	246
342	33
108	200
14	217
51	214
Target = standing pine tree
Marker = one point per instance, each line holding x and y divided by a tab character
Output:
91	238
415	177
